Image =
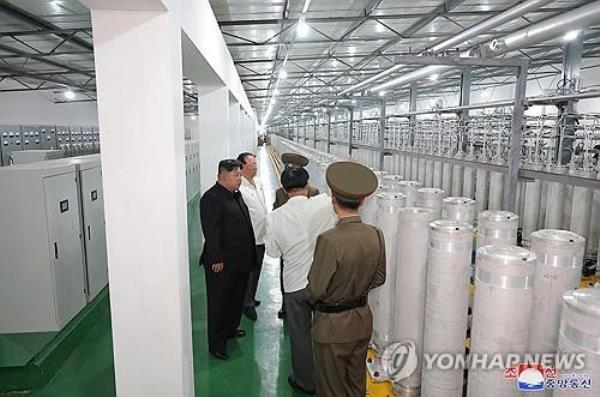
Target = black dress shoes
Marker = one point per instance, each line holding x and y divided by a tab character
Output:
220	355
238	333
250	312
296	386
256	303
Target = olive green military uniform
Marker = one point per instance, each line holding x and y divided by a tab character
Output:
281	196
349	261
292	160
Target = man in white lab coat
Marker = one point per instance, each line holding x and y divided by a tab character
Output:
292	232
254	197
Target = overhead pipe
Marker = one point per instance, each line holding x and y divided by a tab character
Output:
577	19
549	29
483	27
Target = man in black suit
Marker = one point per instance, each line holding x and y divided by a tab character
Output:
228	257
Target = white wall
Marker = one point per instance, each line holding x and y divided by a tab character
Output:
37	108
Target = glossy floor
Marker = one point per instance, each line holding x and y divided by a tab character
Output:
259	364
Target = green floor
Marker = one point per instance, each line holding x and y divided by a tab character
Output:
259	363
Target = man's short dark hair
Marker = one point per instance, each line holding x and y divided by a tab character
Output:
294	178
242	158
229	165
346	204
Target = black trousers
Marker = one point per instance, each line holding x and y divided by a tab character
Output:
253	278
225	300
281	284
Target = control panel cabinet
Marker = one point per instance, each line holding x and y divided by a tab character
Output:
42	278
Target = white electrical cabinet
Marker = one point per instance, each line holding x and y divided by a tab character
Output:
41	264
31	156
91	204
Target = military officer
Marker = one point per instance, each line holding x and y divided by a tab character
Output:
281	197
292	160
349	261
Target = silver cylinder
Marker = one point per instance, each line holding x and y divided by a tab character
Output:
380	175
447	177
457	180
422	170
558	269
459	209
401	157
581	211
407	166
431	197
580	334
481	189
497	228
382	298
531	210
409	189
391	183
594	234
555	199
496	190
469	183
437	174
446	304
503	283
429	173
414	168
368	211
409	319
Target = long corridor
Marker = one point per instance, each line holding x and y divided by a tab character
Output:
259	364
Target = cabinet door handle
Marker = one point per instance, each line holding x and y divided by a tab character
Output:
55	250
89	233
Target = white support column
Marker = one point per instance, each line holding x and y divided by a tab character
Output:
213	113
235	128
140	105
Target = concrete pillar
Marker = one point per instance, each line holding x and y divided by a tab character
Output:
235	131
140	104
213	110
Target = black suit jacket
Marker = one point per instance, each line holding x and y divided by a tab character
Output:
227	228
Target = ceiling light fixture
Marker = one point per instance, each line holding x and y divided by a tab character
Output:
572	35
302	28
305	8
283	74
69	94
434	77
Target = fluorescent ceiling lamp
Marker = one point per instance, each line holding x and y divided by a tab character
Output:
434	77
283	74
371	79
69	94
379	28
381	93
572	35
302	29
305	8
